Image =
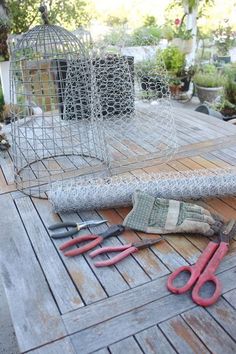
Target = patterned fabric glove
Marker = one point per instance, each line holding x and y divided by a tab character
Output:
163	216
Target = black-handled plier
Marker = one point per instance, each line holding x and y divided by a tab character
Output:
76	227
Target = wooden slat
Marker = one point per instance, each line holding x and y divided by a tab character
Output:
115	305
182	337
230	296
214	337
84	279
61	285
131	322
128	345
60	346
225	315
153	341
35	315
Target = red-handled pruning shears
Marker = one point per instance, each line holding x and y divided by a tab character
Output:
125	251
203	270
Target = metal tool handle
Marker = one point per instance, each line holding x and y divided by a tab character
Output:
209	276
194	270
76	240
95	241
61	225
118	258
65	233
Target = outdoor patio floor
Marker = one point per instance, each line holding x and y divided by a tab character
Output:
66	305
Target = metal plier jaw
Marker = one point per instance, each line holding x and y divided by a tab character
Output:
76	227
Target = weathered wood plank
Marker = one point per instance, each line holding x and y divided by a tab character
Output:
130	323
63	346
182	337
61	285
230	296
100	351
35	315
207	329
225	315
116	305
153	341
128	345
84	279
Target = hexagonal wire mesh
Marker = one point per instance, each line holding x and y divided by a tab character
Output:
75	112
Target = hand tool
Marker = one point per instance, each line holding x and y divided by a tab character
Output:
126	250
76	227
96	239
203	270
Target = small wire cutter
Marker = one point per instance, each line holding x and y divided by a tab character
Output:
76	227
126	250
113	230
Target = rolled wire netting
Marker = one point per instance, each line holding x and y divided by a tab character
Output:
117	191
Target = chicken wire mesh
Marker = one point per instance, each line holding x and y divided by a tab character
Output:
77	109
117	191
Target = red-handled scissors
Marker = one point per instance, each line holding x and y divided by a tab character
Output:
203	270
124	250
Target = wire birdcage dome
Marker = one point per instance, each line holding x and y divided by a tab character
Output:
52	141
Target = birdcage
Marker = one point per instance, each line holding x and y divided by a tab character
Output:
57	129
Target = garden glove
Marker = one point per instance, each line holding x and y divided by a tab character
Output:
163	216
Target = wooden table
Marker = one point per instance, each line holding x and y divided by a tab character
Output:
66	305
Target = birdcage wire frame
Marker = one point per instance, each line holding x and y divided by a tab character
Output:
46	146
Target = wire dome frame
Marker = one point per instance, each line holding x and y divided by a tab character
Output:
77	110
46	144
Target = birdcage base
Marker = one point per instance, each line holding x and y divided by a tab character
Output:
34	178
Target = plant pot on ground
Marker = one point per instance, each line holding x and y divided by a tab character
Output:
209	85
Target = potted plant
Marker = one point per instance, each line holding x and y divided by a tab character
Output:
224	38
174	60
209	83
183	38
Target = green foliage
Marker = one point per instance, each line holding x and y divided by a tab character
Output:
204	79
24	14
183	33
116	21
146	36
149	21
145	67
174	60
224	37
117	36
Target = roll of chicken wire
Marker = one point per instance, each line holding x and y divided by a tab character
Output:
72	195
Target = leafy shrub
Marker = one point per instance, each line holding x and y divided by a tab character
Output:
174	60
204	79
146	36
